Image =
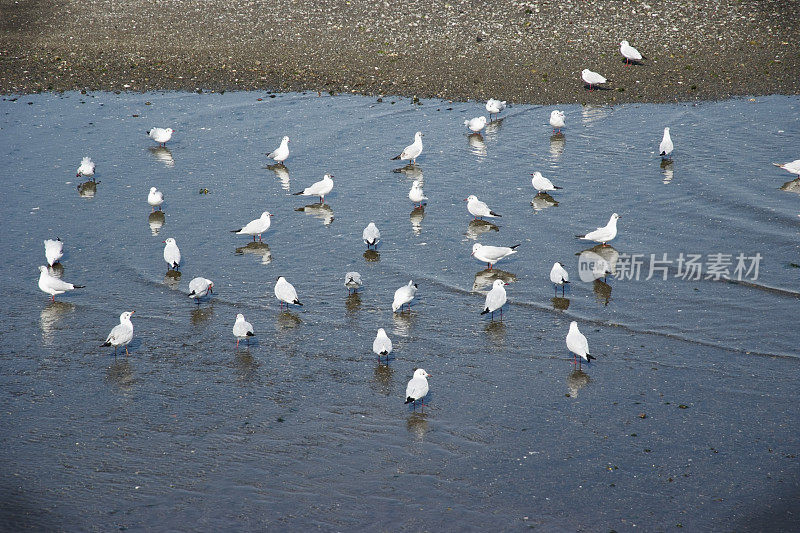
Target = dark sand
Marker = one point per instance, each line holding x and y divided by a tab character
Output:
529	52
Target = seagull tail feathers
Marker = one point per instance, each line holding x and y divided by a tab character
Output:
495	214
251	334
78	286
512	247
236	230
395	159
297	193
297	302
589	357
485	311
557	187
384	352
107	343
409	399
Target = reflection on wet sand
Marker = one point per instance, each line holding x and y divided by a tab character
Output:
493	128
287	320
156	220
576	380
668	167
49	317
324	212
246	366
353	303
602	291
417	425
199	315
382	379
403	323
416	217
163	155
486	277
120	374
496	330
557	143
593	113
543	201
172	279
792	186
259	249
372	255
560	304
598	262
478	227
476	145
412	171
88	189
282	173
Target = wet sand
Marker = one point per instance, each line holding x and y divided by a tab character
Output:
529	52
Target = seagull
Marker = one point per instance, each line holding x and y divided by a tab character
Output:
52	285
491	254
413	150
665	148
476	124
285	292
415	194
200	287
86	168
242	329
281	153
352	280
255	227
371	235
577	343
542	184
629	52
495	298
155	198
172	255
557	120
559	276
479	209
160	135
592	78
404	295
495	107
603	234
791	166
320	188
53	250
382	345
417	387
121	334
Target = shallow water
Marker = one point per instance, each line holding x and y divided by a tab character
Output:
302	428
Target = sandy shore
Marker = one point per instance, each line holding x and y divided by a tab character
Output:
529	52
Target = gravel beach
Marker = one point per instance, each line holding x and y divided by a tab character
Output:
529	52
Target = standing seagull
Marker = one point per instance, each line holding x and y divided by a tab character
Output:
255	227
319	188
160	135
557	120
382	345
281	153
491	254
352	280
479	209
200	287
542	184
476	124
791	166
592	78
242	329
121	334
577	343
559	276
52	285
603	234
404	295
495	298
86	168
415	194
371	235
629	52
172	254
53	250
285	292
495	107
417	387
665	148
155	198
411	151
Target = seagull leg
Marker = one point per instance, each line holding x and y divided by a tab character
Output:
237	342
126	351
53	297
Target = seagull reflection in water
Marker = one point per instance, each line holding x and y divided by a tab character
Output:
282	173
260	249
162	154
485	278
156	219
324	212
478	227
576	380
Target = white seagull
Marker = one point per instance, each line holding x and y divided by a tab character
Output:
121	334
577	343
319	188
542	184
86	168
155	198
629	52
371	235
172	255
417	387
476	124
285	292
603	234
281	153
495	107
255	227
352	280
791	166
404	295
559	276
382	345
495	298
242	329
411	151
53	250
491	254
52	285
592	78
479	209
415	194
557	120
666	146
160	135
200	287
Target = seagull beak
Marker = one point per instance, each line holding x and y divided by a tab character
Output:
429	376
133	312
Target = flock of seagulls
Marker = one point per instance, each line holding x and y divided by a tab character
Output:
593	79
